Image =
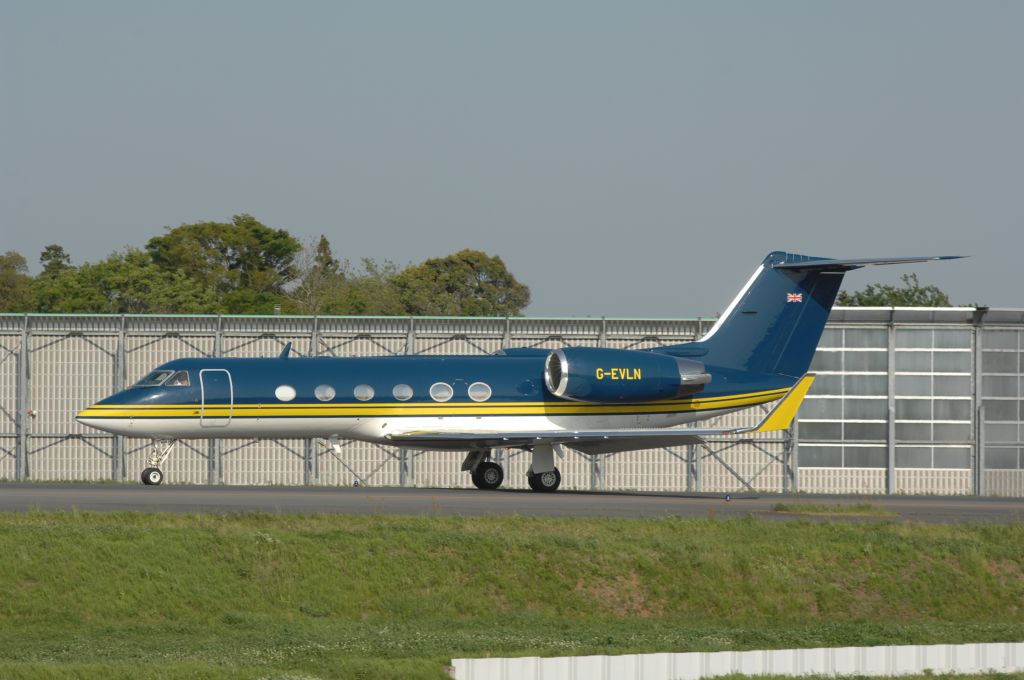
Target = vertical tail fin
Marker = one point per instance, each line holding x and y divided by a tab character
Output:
774	324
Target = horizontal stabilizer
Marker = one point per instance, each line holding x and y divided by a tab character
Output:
828	265
604	441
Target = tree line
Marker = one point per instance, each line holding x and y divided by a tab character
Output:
246	267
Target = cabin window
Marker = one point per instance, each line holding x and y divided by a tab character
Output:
179	379
402	392
363	392
153	379
479	391
284	393
441	391
324	392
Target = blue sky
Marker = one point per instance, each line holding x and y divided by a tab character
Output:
625	159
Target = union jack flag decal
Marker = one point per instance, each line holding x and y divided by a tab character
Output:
794	297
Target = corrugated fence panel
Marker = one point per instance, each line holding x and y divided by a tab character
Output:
948	482
441	469
10	346
552	334
70	458
363	337
69	371
646	333
263	345
7	458
998	657
267	461
376	465
648	470
842	480
1005	482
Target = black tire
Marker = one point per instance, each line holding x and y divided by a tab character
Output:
488	476
545	482
152	476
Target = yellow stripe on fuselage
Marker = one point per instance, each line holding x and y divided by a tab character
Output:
425	409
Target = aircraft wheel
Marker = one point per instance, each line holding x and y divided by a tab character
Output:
488	475
545	481
152	476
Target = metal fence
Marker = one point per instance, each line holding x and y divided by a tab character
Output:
907	401
888	661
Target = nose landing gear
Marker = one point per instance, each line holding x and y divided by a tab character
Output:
152	475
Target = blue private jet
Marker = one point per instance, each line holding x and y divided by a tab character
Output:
592	399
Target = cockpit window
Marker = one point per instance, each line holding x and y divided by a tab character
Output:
179	379
153	379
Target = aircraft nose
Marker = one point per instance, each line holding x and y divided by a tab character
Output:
94	417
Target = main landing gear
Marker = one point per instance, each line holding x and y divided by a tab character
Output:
152	475
544	481
543	475
486	474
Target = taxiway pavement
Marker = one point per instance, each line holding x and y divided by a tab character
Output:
408	501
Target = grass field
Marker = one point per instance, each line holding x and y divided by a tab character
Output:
87	595
865	509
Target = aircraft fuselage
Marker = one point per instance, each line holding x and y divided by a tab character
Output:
317	397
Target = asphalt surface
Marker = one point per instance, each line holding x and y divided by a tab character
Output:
396	501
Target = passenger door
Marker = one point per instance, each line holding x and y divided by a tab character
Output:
217	394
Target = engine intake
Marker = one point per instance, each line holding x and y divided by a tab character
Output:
621	375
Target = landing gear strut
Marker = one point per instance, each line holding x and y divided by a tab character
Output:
543	475
152	475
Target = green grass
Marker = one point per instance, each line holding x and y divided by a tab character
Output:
838	509
86	595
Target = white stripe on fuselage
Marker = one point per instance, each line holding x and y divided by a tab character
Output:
377	429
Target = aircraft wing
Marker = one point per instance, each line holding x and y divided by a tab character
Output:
605	441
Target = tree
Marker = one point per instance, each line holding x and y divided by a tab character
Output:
371	290
54	259
911	294
324	258
332	287
15	283
57	284
322	281
246	264
468	282
123	283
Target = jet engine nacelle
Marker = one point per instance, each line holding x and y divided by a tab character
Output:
620	375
